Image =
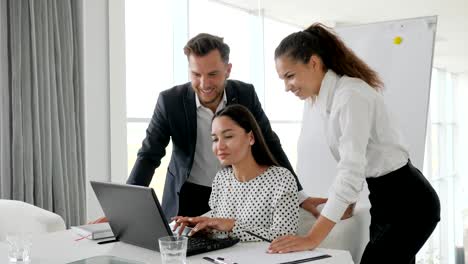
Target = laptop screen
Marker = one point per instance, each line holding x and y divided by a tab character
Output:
134	213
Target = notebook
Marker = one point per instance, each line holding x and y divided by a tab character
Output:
94	231
136	217
105	260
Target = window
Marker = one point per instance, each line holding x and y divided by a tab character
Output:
285	120
275	94
237	35
252	40
149	61
441	169
151	64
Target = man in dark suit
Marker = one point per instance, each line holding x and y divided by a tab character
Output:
183	114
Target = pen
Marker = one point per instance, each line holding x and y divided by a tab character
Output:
214	260
257	236
306	259
222	259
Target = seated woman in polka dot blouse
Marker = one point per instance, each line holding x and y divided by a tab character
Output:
251	193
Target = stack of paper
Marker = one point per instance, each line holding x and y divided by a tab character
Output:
257	253
94	231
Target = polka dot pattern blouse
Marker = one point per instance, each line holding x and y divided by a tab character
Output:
266	205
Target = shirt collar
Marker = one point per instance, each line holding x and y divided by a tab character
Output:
221	105
327	90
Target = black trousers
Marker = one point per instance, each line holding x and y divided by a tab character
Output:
405	210
193	199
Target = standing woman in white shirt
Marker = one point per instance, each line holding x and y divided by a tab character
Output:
316	65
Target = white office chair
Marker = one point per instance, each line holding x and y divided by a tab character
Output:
351	234
17	216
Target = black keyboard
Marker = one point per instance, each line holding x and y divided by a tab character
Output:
197	245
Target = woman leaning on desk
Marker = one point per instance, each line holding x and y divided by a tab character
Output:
251	194
317	66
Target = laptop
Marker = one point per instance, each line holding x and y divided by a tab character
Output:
136	217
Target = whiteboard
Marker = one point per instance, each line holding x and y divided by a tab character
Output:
405	69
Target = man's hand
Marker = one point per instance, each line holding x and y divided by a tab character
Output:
310	204
201	223
99	220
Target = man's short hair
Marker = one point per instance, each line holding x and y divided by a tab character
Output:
204	43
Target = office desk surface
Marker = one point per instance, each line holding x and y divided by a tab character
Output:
61	247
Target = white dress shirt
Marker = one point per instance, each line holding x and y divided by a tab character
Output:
362	137
205	164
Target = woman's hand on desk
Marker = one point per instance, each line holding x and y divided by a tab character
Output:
316	235
205	223
291	243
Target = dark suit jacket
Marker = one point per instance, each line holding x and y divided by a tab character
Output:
175	117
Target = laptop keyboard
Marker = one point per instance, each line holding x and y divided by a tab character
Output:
197	245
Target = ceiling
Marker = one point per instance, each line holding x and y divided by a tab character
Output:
451	47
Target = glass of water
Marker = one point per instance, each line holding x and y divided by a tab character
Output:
173	249
19	247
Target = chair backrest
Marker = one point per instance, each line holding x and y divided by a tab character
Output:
351	234
17	216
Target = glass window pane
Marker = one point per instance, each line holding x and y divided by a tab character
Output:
449	102
136	132
288	134
148	54
276	98
449	146
434	96
435	149
216	18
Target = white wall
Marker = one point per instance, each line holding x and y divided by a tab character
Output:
117	92
103	39
96	97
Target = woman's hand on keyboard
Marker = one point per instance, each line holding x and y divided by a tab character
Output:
203	223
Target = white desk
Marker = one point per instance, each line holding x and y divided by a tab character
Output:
61	247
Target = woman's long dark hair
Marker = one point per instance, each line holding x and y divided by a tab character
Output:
244	118
323	42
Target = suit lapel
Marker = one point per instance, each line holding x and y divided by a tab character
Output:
191	113
231	94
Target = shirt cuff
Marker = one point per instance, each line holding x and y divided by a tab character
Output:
334	209
302	196
238	227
